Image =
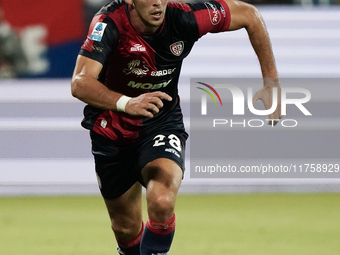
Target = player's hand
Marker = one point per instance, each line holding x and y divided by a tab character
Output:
146	104
265	94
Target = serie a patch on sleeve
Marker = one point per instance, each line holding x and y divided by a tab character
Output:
98	31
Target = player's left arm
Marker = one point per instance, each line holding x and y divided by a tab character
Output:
247	16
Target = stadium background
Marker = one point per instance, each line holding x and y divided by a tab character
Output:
46	168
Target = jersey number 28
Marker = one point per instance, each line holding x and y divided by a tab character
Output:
174	141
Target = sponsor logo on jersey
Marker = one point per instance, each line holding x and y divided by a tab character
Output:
137	67
173	151
141	68
137	47
223	11
98	31
139	85
215	16
163	72
177	48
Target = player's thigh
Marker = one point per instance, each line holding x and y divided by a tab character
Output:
163	178
162	175
126	209
163	158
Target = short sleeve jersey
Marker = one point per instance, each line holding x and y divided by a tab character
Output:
135	63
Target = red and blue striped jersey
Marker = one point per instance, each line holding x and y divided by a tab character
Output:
135	63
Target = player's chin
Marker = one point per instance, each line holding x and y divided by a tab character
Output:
156	22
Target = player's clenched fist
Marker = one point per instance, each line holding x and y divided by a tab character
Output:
145	105
265	94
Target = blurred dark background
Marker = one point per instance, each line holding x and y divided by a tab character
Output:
41	39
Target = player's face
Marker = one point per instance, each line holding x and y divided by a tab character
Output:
149	14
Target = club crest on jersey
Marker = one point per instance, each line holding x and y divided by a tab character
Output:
137	47
177	48
98	31
214	15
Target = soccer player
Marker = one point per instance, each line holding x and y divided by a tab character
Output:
127	72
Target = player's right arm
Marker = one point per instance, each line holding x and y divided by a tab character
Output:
247	16
88	89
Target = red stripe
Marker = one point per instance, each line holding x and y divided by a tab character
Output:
228	15
206	23
119	127
161	228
